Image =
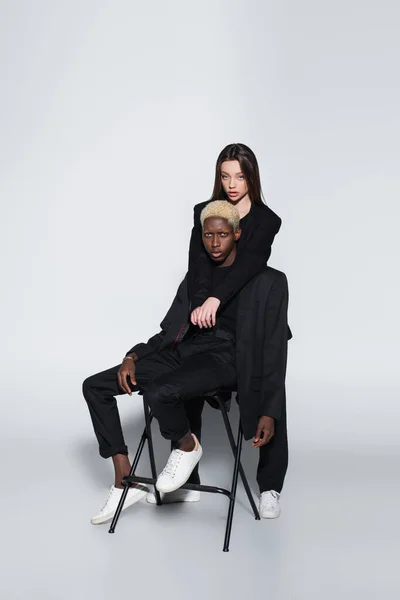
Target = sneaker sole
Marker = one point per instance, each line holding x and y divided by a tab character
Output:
176	487
138	496
270	515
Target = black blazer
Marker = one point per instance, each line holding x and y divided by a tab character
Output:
254	249
262	334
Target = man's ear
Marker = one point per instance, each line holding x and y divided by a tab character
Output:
238	233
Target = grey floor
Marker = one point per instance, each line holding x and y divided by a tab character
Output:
337	537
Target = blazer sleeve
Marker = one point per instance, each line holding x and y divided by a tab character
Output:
250	261
152	345
155	342
275	350
200	266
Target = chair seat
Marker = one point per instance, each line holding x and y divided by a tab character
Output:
215	398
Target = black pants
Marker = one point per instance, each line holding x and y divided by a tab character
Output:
168	380
273	461
173	383
273	458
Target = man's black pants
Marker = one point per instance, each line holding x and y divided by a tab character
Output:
168	380
172	383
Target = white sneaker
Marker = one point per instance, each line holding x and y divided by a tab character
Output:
269	505
177	496
110	505
179	468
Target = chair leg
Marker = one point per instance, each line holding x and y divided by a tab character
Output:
233	489
126	488
148	418
241	470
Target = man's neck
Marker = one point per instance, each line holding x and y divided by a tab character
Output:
229	259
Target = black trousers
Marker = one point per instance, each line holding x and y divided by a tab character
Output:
273	461
173	384
273	457
168	380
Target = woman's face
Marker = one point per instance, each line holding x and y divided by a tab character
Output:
233	180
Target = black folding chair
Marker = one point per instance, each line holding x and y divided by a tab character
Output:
217	401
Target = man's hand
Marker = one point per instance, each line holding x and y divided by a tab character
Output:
264	433
205	315
127	369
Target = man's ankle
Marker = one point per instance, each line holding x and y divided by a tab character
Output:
187	443
122	468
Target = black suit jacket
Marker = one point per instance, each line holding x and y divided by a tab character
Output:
262	334
253	251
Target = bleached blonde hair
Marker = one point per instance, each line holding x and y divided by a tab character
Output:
222	209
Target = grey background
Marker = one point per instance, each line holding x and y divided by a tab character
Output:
112	115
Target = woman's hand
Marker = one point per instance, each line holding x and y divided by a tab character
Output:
205	315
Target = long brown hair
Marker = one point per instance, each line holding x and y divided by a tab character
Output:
249	167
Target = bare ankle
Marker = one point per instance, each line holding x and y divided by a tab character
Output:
122	467
187	443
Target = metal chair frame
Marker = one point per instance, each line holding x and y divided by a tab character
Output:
231	494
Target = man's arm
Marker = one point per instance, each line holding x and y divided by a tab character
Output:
155	342
144	349
127	369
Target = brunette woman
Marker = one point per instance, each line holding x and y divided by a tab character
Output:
237	180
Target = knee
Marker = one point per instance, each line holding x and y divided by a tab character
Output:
87	386
157	395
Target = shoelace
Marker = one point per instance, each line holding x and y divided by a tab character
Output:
172	463
108	497
270	499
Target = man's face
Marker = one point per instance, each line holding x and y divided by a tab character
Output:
233	181
219	238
